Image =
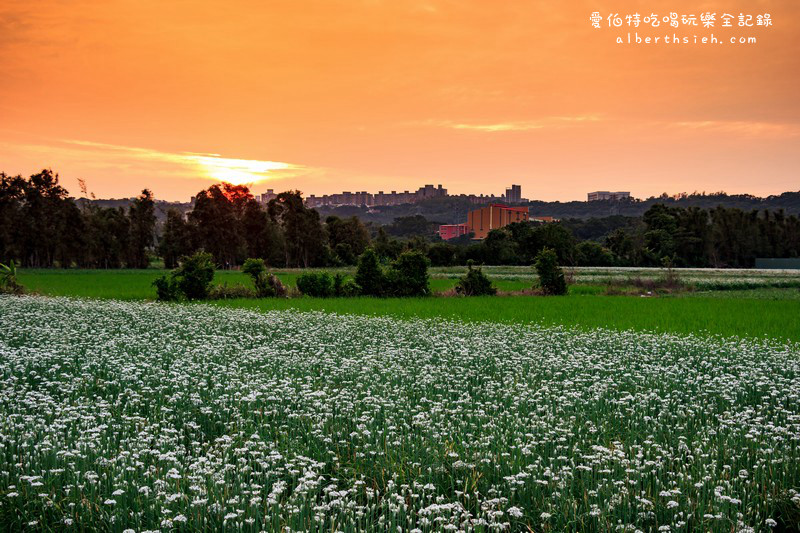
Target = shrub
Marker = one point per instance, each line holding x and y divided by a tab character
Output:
254	267
551	276
194	275
338	282
475	283
316	284
369	274
257	270
8	279
166	288
191	280
349	289
408	274
228	292
345	288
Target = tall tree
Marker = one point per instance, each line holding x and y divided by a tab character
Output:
215	221
348	238
176	239
305	237
43	200
263	236
142	215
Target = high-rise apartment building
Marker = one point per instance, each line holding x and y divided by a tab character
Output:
514	194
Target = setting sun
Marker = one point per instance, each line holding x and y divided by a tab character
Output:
236	171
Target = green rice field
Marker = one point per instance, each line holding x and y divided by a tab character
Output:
769	306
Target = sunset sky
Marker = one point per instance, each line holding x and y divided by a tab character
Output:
332	95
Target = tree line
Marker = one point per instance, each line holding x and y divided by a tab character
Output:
41	226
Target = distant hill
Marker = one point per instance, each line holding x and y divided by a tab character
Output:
453	210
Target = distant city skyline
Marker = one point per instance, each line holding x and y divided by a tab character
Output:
327	96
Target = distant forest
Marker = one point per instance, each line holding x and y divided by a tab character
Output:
42	226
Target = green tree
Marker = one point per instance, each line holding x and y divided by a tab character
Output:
142	229
408	275
194	275
500	248
557	238
304	235
216	222
347	237
442	254
263	237
316	284
590	253
662	225
176	239
257	270
369	274
414	225
385	247
475	283
108	231
551	276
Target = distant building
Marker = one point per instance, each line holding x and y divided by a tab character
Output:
381	198
514	194
546	220
267	196
608	195
452	231
481	221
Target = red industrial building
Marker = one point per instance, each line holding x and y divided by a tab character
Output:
451	231
481	221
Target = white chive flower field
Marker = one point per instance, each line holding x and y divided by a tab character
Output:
154	417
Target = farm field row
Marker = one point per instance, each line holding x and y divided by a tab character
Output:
703	316
127	284
152	416
751	313
137	284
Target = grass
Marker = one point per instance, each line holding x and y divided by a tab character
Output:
748	313
713	316
137	284
756	294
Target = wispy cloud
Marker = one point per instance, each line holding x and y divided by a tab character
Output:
740	127
517	125
193	164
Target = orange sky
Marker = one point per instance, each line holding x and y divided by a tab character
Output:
332	95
